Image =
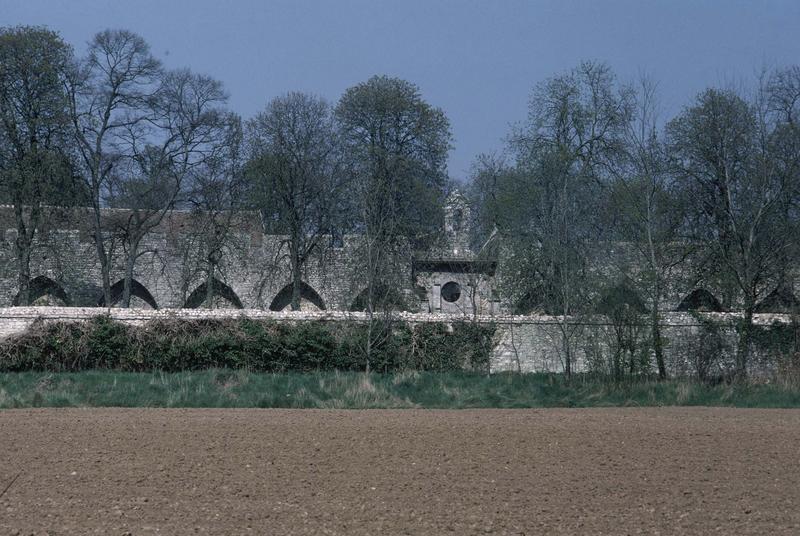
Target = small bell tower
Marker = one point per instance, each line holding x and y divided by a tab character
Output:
457	220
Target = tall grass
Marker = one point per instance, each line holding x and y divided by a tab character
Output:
226	388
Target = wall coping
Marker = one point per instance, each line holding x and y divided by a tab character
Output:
676	319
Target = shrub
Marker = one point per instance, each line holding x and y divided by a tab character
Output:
176	345
708	351
441	348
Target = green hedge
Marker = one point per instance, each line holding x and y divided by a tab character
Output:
177	345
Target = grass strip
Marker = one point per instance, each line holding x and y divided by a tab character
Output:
224	388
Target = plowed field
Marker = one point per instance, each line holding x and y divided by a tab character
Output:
598	471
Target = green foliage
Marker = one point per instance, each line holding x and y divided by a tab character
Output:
778	339
436	351
397	144
35	163
708	351
178	345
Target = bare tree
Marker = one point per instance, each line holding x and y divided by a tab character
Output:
783	92
728	151
648	208
488	174
215	194
185	130
35	166
552	196
783	101
294	176
111	94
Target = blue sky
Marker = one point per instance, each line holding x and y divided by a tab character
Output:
476	60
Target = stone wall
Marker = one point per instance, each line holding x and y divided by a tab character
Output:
532	343
540	343
254	268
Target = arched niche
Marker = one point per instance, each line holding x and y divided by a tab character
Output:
700	300
221	293
383	297
219	290
138	291
309	298
45	292
780	300
621	298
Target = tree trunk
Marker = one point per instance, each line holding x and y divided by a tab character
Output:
743	344
567	356
127	288
24	244
296	280
658	342
630	346
24	273
368	342
370	310
655	316
514	347
102	256
209	300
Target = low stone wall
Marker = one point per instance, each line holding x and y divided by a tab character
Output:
17	319
534	343
540	344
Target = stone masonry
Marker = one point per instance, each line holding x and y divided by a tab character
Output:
521	343
254	272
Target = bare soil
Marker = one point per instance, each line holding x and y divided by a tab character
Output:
596	471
